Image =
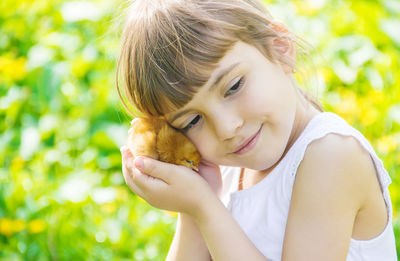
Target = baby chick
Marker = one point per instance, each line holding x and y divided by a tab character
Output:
154	138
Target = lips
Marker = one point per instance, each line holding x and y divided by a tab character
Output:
248	144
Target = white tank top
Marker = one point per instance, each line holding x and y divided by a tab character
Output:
262	210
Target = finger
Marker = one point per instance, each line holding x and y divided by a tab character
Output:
149	184
135	119
122	149
130	131
138	180
127	167
127	156
156	168
125	149
129	182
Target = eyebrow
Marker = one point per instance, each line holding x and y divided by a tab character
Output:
217	79
221	74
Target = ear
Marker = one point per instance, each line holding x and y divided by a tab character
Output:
285	53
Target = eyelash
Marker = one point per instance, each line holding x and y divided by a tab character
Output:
235	87
196	119
192	123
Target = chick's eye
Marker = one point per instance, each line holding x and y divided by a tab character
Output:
235	87
192	123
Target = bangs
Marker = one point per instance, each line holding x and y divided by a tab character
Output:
171	59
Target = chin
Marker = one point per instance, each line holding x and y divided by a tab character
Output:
265	163
258	165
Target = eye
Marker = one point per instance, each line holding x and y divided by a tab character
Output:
235	87
192	123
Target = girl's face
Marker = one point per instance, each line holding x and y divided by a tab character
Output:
247	98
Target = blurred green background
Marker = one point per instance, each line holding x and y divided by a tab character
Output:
62	194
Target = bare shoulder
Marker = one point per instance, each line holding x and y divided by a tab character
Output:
342	159
331	186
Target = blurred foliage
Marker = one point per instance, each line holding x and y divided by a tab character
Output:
62	194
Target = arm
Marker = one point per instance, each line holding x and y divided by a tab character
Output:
224	237
188	243
176	188
330	187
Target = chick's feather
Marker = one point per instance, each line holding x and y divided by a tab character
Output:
153	137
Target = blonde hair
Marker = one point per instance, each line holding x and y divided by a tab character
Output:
170	47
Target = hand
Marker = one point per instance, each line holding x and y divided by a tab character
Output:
212	174
167	186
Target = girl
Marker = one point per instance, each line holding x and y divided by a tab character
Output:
280	179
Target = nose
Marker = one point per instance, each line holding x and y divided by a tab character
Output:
227	123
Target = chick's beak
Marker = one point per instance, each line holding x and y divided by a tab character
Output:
191	163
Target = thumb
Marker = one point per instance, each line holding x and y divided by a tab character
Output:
154	168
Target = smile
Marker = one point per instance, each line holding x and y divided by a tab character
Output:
248	144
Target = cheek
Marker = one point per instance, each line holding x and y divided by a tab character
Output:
204	144
269	96
260	92
256	101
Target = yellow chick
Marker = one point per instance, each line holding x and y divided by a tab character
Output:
154	138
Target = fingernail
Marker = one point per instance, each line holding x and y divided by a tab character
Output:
123	151
139	163
135	119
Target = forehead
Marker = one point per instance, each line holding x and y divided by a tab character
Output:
239	53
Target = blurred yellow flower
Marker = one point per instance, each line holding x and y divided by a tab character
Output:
6	226
387	144
122	193
109	207
368	116
17	164
305	8
80	67
12	69
36	226
327	73
376	96
348	107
